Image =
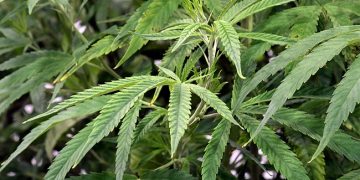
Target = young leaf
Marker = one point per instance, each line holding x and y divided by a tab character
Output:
169	73
179	113
191	63
230	40
156	15
302	72
215	149
185	34
147	122
124	141
110	116
212	100
277	152
80	110
343	102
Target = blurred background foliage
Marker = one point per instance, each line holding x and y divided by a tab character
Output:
71	26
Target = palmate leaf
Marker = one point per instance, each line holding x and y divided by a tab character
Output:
270	38
156	15
307	124
215	149
80	110
295	51
124	141
110	116
352	175
343	102
230	40
178	113
93	92
257	7
147	122
213	101
310	64
277	152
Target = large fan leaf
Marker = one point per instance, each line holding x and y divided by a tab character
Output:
124	141
309	125
215	149
95	91
230	40
296	51
212	100
156	15
343	102
179	113
310	64
277	152
80	110
110	116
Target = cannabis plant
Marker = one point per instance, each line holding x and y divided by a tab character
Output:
183	89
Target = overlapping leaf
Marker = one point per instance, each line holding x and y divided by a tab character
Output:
343	102
230	40
310	64
215	149
277	152
179	113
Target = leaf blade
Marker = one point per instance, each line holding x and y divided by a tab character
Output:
178	113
